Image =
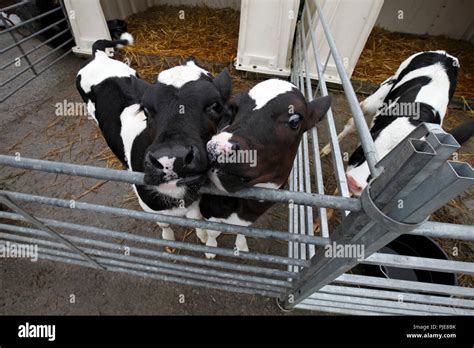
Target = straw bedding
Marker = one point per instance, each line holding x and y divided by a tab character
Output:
163	38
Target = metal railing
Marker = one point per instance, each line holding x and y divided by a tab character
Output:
41	63
417	171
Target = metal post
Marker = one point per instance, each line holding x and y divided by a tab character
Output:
371	229
13	206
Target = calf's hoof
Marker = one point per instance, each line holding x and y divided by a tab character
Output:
210	256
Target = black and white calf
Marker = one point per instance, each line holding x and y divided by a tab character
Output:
160	129
269	122
419	92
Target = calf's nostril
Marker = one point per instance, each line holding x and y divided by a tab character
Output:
189	157
235	147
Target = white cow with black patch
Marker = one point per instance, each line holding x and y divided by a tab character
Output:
160	129
419	92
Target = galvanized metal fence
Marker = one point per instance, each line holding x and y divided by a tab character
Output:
417	171
30	51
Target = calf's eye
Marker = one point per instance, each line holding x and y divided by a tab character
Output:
294	121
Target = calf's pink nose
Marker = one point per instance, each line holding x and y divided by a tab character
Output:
354	187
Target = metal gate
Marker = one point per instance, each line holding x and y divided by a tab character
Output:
417	171
30	51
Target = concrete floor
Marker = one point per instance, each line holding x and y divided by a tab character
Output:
31	128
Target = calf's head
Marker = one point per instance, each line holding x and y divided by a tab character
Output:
259	146
183	109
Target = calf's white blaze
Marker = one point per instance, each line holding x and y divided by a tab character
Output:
181	74
267	90
167	163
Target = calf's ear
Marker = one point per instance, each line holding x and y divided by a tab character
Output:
230	112
223	82
317	109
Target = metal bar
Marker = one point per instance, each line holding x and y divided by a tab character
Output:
136	178
156	217
324	306
323	223
31	219
412	262
372	229
359	120
149	265
336	150
317	160
443	144
29	20
292	208
12	7
324	71
31	65
290	220
161	242
413	154
167	278
17	43
34	48
33	77
444	230
397	296
302	175
439	188
405	285
410	308
179	245
344	305
296	211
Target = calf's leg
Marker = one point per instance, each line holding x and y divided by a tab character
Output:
167	234
212	241
349	128
241	243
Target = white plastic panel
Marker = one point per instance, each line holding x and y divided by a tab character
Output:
266	34
432	17
85	30
351	23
